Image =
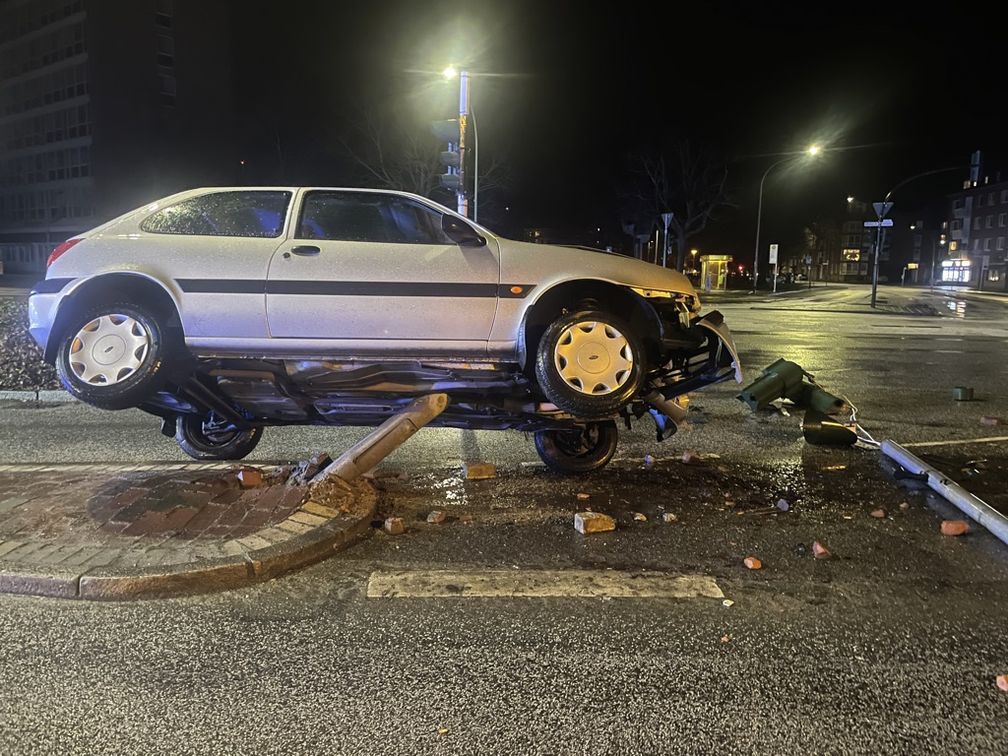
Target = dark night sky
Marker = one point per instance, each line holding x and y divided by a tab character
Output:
596	82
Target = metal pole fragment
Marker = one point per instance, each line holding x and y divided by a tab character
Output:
971	505
386	438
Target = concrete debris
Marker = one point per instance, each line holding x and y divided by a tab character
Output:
878	514
583	496
752	563
819	551
480	471
277	475
250	477
587	523
782	505
437	517
394	526
690	457
905	506
727	602
443	730
670	517
955	527
640	517
991	421
1002	682
725	638
305	471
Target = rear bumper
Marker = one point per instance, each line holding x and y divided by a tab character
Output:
43	302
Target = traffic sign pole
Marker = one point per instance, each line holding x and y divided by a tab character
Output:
881	211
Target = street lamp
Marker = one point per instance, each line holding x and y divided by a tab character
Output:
811	151
465	114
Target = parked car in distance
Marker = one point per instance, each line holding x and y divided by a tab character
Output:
227	310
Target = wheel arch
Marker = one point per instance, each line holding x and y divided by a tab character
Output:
617	298
139	288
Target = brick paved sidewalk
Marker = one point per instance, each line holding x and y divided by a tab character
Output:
70	530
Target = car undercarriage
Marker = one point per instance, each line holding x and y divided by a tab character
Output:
233	395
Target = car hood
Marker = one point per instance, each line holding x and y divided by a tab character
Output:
550	264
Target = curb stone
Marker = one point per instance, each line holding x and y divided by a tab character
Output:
245	567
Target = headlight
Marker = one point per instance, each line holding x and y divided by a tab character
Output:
691	301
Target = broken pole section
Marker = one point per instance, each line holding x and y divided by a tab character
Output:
973	506
386	438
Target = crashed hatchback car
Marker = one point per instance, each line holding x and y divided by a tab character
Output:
227	310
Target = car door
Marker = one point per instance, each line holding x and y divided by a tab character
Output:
366	271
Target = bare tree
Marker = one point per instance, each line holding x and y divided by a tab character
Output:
689	183
394	151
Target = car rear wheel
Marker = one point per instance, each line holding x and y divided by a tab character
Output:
578	450
203	439
113	356
589	363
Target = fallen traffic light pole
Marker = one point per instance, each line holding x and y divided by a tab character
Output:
788	380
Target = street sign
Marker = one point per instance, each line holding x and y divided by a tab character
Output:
882	208
808	259
773	254
885	223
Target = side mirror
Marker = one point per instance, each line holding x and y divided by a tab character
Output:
461	233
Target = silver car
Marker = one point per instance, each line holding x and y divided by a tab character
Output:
226	310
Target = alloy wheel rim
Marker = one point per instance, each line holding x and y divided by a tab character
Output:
593	358
108	349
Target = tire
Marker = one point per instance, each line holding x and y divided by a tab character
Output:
198	444
580	450
565	364
113	356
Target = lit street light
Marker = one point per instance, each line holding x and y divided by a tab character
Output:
465	113
811	151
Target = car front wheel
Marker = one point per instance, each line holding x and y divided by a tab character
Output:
589	364
202	440
113	356
578	450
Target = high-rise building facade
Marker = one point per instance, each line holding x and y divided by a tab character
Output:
105	105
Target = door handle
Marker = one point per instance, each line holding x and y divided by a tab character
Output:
306	250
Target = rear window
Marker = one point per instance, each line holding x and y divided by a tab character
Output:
249	214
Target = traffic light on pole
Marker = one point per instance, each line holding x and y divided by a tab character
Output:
448	131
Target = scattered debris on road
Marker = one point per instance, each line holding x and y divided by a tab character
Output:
587	523
437	517
955	527
819	551
583	496
1002	682
725	638
640	517
250	477
727	602
991	421
480	470
690	457
670	517
394	526
905	506
648	460
752	563
783	505
305	471
878	514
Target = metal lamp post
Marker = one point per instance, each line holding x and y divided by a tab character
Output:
465	114
812	151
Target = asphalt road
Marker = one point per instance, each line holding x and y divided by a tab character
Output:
892	645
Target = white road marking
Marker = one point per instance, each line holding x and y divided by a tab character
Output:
115	467
538	584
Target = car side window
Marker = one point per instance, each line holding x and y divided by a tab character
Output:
369	217
249	214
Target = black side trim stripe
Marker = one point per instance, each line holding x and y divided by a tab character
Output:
50	285
351	288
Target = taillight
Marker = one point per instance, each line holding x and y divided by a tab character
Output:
61	250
